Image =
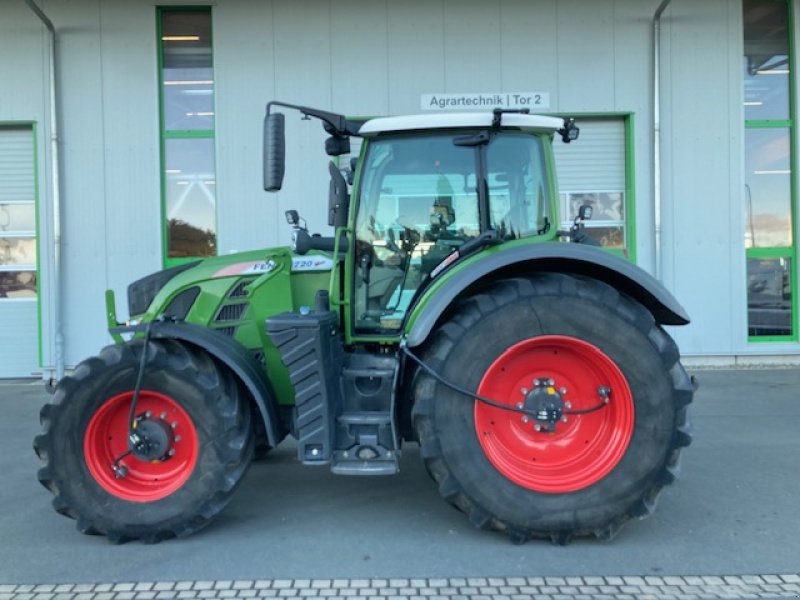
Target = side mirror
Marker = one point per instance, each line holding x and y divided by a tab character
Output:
274	151
337	197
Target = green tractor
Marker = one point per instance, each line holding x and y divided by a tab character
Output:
446	309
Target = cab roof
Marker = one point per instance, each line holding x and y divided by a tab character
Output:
457	121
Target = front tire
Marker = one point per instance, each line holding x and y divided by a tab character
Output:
588	475
190	402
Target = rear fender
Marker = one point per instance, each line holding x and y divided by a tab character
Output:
575	259
227	351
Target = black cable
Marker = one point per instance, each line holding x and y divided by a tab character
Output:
137	388
429	370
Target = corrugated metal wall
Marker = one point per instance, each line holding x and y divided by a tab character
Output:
368	57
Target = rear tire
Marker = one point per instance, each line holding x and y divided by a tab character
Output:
190	396
595	472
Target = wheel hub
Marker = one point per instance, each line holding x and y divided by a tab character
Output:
151	440
545	403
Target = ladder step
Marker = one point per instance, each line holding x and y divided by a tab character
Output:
386	464
365	418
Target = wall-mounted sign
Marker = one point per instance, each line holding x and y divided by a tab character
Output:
486	101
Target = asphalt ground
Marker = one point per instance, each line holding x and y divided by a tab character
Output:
735	513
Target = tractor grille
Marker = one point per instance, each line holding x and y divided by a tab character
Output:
231	312
238	290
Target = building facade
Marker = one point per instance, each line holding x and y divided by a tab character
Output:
688	148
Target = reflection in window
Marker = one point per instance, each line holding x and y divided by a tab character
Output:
190	197
17	284
766	59
769	296
767	188
188	132
607	224
188	75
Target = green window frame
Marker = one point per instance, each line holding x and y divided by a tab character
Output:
194	145
784	256
629	188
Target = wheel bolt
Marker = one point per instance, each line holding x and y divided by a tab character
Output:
177	439
563	391
171	452
567	404
525	418
163	416
564	419
524	391
519	405
537	427
174	424
148	414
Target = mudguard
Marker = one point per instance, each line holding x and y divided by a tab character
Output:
227	351
557	257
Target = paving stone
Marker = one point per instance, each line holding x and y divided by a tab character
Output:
280	584
203	585
791	578
142	587
6	588
121	595
321	584
361	583
223	585
187	594
6	595
614	581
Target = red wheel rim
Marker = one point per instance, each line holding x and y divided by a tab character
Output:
581	451
106	439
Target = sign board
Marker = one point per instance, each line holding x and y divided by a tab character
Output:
535	101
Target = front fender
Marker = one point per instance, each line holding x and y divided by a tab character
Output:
227	351
558	257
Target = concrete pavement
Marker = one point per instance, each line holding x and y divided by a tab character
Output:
733	515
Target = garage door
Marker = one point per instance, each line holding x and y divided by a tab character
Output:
19	335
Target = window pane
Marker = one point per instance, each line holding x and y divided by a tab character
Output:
518	189
17	284
769	296
766	59
17	217
188	70
767	188
18	251
191	198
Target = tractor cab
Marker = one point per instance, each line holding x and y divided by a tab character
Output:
428	191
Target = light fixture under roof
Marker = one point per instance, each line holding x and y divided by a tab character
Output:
772	72
180	38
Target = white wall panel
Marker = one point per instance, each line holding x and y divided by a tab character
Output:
585	55
416	54
528	55
244	70
703	252
472	46
130	183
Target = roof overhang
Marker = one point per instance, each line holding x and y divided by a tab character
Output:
457	121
